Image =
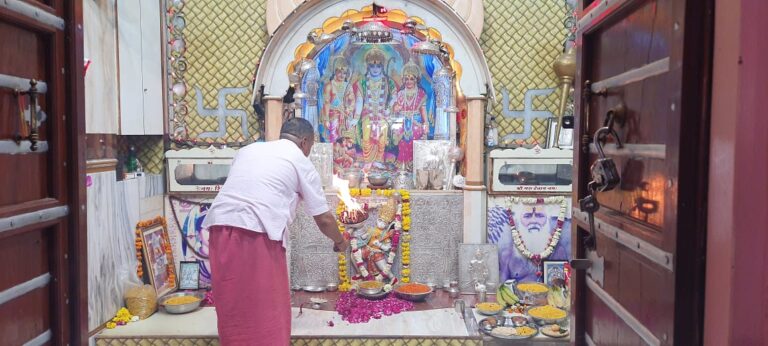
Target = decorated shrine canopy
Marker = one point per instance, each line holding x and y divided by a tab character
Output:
372	82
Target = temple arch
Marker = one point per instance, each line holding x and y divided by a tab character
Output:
475	81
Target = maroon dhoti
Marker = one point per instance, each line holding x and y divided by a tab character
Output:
250	287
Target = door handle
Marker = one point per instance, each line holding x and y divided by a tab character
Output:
594	265
581	264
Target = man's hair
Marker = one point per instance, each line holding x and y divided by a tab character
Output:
298	127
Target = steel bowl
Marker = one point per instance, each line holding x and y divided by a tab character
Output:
314	288
378	179
181	308
546	321
532	298
354	177
489	312
414	297
332	287
371	291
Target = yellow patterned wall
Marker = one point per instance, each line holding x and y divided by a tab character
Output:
521	39
225	39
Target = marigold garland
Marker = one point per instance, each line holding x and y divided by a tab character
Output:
170	268
404	213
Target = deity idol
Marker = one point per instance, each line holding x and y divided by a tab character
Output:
369	97
334	112
410	103
374	249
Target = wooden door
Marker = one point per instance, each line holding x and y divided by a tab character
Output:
42	194
651	58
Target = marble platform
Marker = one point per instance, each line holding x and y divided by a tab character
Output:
437	221
428	327
433	322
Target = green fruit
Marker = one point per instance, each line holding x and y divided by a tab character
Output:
501	299
509	297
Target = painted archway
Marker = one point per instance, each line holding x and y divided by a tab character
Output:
475	80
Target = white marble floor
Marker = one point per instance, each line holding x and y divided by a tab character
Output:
438	322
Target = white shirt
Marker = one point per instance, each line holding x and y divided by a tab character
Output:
263	188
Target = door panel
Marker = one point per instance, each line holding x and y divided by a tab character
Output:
26	182
41	242
34	247
648	61
26	317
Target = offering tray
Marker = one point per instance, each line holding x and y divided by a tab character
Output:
488	325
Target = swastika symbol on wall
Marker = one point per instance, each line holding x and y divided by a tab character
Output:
222	112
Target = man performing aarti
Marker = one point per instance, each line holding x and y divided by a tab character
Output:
369	97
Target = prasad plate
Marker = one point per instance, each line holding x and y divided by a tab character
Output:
487	325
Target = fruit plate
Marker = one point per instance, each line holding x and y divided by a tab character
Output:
490	326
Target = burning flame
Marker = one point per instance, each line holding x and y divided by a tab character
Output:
342	191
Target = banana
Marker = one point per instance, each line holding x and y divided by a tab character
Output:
501	299
509	297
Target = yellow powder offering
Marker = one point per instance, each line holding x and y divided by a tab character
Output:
533	288
370	284
488	306
181	300
525	331
547	312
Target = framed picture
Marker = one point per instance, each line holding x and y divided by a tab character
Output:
189	275
158	259
554	270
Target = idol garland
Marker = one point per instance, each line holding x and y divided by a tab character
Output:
402	224
537	258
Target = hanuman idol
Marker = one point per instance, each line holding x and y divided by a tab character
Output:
374	249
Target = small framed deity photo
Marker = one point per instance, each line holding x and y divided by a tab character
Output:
553	270
189	275
158	259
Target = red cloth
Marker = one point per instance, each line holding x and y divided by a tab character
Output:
250	281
